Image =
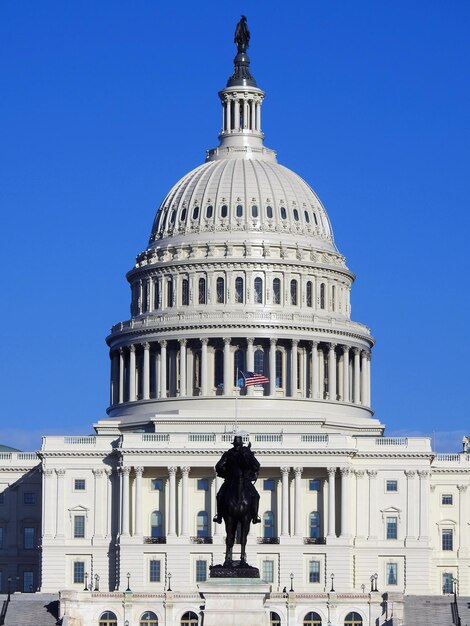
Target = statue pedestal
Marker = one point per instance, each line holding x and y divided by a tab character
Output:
234	601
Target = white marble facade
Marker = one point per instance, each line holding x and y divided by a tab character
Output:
241	273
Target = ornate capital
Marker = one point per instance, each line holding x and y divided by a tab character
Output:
205	341
424	473
121	350
345	349
138	470
462	488
295	343
172	470
359	473
364	354
131	348
98	472
108	471
227	340
47	472
372	473
183	342
163	343
185	470
331	471
60	473
298	471
410	473
345	471
314	345
273	341
332	347
125	470
285	471
250	341
146	345
356	351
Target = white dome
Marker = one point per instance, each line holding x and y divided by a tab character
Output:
243	194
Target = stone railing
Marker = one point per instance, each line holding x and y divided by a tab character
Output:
13	458
452	457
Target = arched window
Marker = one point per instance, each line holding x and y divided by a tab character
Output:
189	619
322	296
156	526
269	212
283	213
314	525
259	361
148	619
220	289
238	367
254	211
293	292
258	290
296	215
239	295
274	619
202	524
312	619
277	291
239	210
307	217
108	618
185	292
144	296
333	298
224	210
156	302
209	211
219	368
353	619
279	369
309	294
169	292
195	213
183	215
202	291
315	218
268	525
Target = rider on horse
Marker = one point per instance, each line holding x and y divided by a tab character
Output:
242	457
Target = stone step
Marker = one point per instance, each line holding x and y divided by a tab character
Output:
427	610
32	609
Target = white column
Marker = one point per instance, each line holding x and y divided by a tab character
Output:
373	508
285	501
357	376
157	368
368	387
331	502
183	384
138	501
236	124
314	370
146	371
245	113
185	501
228	113
258	116
463	526
204	342
272	367
298	501
60	510
332	372
125	471
228	373
424	489
98	531
172	501
321	374
121	375
132	395
345	397
345	502
364	377
250	361
361	498
48	480
253	114
411	501
293	369
109	501
163	345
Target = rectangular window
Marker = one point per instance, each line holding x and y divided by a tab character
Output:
447	582
79	572
1	537
79	484
446	498
201	571
202	484
392	485
447	539
29	498
28	582
268	571
79	526
314	572
392	528
314	485
268	484
154	571
157	484
392	573
28	538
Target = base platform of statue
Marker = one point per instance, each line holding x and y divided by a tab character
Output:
234	596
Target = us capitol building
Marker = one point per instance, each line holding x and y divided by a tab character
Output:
241	274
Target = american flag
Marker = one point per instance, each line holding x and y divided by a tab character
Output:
253	378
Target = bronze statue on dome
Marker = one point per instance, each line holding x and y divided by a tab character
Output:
242	35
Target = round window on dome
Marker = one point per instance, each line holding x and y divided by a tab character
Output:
239	211
195	213
283	213
254	211
296	215
209	211
183	215
307	217
269	212
224	210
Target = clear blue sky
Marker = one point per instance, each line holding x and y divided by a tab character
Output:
105	104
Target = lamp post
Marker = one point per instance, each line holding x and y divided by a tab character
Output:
9	587
332	590
373	582
17	588
97	582
375	578
128	581
169	581
85	588
291	583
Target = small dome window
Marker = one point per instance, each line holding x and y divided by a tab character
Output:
307	217
209	211
315	218
183	215
195	213
296	215
173	217
254	210
269	211
283	213
239	212
224	210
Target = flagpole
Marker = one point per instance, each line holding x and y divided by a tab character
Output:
236	405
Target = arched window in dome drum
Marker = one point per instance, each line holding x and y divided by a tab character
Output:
322	296
353	619
156	526
220	289
293	292
333	298
149	618
185	292
258	290
238	367
279	369
254	211
309	294
219	369
239	291
156	303
183	215
169	292
259	361
312	619
268	525
314	525
209	211
202	291
277	291
274	619
224	210
189	619
296	215
269	212
195	213
307	217
239	210
283	213
315	218
108	618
